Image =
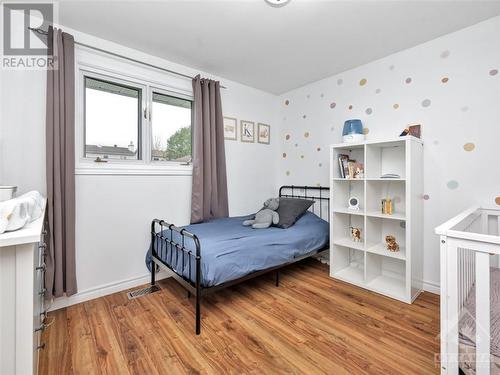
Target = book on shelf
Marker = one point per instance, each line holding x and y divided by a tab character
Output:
343	165
350	169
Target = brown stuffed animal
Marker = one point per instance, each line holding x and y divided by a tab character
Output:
392	245
356	234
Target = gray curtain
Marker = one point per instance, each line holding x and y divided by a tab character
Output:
60	162
209	194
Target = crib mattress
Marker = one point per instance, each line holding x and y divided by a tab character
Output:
467	327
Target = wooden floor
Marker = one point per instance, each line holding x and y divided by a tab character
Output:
311	324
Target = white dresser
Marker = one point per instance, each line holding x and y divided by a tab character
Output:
22	272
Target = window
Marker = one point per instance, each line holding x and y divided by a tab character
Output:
171	128
132	126
112	120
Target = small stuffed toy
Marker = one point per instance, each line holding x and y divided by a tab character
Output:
392	245
356	234
266	216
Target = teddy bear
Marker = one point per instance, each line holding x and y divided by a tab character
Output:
266	216
392	245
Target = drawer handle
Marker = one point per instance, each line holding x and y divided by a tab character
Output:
42	328
43	267
42	246
42	292
39	347
45	232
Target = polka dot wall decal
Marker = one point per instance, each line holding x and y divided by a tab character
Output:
408	80
436	142
287	137
366	131
350	107
464	108
497	200
469	146
493	72
426	197
378	91
369	111
391	67
320	165
340	81
362	82
445	54
332	129
426	103
304	116
306	135
287	102
296	145
333	105
444	80
452	184
302	156
402	224
284	155
308	96
318	149
395	106
287	173
322	95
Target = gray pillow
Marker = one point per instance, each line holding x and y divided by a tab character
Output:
290	210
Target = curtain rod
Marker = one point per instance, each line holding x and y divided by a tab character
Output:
43	32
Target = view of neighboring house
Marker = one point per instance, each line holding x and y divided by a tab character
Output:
111	152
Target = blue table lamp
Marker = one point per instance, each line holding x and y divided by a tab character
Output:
353	131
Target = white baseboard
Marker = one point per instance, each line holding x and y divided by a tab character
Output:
104	290
431	287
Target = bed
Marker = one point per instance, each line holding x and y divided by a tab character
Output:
211	256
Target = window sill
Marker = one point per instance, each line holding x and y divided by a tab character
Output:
136	170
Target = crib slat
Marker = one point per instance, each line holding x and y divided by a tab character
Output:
449	305
482	313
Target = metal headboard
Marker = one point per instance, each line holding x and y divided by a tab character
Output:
320	194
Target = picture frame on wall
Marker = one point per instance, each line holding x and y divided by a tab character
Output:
247	131
230	126
263	133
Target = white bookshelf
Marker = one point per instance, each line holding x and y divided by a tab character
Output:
368	263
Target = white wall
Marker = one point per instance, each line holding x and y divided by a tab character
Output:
466	109
114	212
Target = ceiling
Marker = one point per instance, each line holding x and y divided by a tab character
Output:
273	49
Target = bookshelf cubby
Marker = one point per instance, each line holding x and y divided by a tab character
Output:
369	264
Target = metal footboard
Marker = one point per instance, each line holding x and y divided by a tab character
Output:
163	247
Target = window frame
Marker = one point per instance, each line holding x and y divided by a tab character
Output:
153	89
140	114
144	165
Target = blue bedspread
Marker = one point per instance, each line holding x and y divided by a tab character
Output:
230	250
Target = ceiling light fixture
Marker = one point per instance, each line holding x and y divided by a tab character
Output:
277	3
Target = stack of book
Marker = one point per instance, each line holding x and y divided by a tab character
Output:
350	168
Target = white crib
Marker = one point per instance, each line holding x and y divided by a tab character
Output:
470	248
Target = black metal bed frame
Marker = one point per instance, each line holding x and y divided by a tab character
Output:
170	249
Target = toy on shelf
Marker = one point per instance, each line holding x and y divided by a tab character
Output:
392	245
356	234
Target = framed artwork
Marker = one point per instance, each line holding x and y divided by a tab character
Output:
263	133
247	133
230	126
